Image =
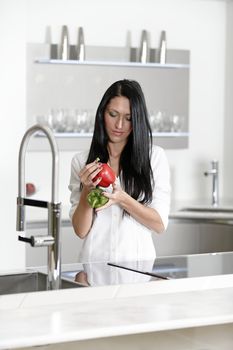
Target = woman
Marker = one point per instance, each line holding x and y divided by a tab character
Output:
139	199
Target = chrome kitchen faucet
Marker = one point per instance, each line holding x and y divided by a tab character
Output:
53	239
215	186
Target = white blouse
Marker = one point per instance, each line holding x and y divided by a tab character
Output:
114	237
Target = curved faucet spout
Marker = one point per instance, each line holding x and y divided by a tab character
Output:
21	160
52	241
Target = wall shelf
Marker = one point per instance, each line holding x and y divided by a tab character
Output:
72	141
89	135
113	63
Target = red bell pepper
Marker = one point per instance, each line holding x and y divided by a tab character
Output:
107	175
95	198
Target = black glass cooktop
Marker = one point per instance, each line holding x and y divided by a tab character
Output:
171	267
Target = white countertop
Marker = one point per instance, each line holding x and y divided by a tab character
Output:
39	318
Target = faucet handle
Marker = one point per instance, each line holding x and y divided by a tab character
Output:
26	239
38	241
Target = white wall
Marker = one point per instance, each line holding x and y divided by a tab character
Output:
228	126
197	25
13	123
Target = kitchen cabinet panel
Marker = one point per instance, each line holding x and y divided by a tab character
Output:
194	238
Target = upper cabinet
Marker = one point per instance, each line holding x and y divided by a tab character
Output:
66	93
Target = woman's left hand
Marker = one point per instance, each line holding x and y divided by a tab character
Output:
114	196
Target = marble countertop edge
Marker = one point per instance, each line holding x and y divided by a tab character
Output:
111	331
80	295
106	317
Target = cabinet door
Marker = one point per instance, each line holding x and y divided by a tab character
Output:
179	239
193	238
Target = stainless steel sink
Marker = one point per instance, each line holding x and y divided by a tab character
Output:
29	282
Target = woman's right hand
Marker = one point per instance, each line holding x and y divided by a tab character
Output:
88	173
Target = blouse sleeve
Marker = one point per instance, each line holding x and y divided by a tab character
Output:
162	189
77	163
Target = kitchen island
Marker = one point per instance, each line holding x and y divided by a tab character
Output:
189	310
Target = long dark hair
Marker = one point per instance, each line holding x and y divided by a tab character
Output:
135	168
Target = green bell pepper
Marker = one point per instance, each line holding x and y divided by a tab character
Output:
95	198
